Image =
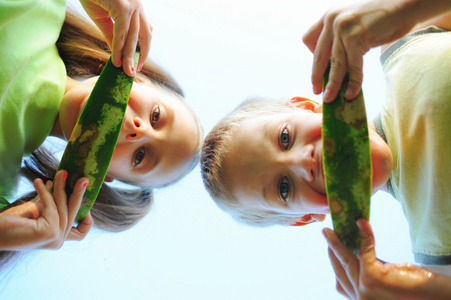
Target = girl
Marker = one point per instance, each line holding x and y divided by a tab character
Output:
44	89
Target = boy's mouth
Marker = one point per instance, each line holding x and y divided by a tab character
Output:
319	159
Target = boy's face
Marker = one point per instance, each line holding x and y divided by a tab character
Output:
275	162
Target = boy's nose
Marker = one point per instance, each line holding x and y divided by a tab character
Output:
303	162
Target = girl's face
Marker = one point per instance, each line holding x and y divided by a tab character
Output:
275	163
158	139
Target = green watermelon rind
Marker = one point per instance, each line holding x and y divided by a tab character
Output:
91	145
347	164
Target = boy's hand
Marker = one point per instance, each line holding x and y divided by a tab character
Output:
369	278
123	23
345	35
46	221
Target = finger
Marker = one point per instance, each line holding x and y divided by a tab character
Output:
355	67
45	199
145	37
344	285
60	198
48	185
347	259
75	200
120	31
130	45
311	36
81	231
337	72
47	226
367	252
354	57
320	60
340	289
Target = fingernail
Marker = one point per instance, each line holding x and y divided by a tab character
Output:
326	96
140	68
324	232
42	181
65	176
359	224
133	69
348	94
317	90
120	62
85	185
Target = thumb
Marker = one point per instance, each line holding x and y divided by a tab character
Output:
367	252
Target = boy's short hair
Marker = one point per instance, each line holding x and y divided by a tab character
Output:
215	148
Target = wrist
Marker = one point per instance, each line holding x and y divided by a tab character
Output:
438	287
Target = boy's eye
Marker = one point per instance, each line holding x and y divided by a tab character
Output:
139	156
284	189
155	116
285	139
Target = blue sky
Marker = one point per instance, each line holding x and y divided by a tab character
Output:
221	52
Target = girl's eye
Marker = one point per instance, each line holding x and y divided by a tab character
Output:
155	116
285	139
139	156
284	189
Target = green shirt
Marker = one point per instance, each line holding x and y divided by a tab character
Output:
32	81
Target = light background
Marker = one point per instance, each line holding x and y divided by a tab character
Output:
221	52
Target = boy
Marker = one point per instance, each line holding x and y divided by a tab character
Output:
263	162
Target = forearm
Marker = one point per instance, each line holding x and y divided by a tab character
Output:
424	10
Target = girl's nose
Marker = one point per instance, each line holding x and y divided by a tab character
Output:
303	162
137	130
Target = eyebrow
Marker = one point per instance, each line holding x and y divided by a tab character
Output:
267	201
266	129
266	188
151	165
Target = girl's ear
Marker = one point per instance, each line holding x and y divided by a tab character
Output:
307	104
308	219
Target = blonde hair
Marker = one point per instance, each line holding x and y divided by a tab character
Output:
215	148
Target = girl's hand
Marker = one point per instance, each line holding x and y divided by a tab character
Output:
46	221
346	34
123	23
369	278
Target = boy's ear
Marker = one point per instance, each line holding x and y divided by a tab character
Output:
108	178
307	104
308	219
